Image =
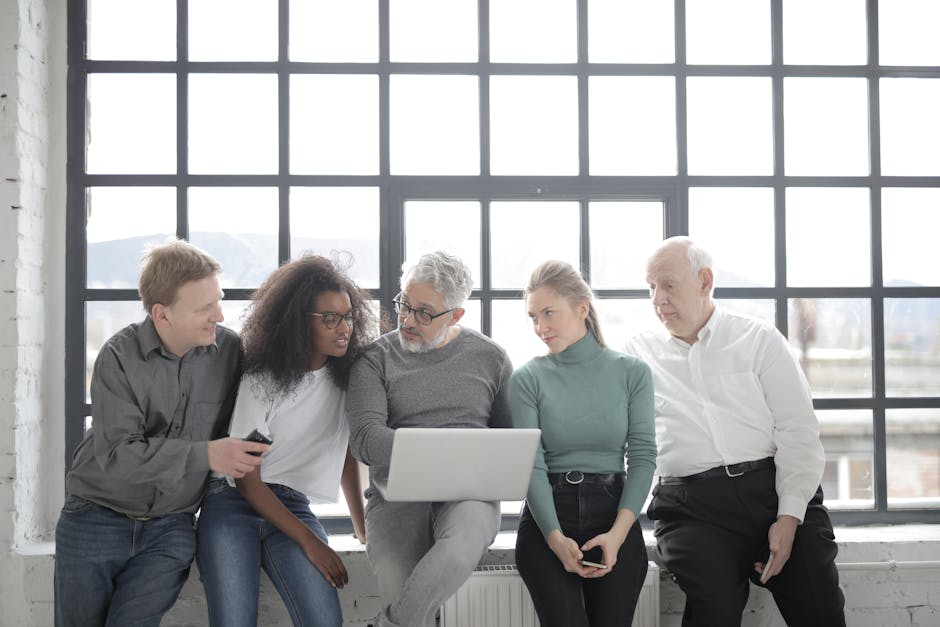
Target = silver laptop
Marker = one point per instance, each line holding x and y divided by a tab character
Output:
460	464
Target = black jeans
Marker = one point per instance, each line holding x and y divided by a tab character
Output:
709	534
564	599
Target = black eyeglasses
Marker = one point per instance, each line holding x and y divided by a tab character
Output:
331	320
422	316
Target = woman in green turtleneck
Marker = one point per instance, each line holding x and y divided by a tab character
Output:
595	409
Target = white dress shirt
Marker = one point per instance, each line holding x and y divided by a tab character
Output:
309	430
737	394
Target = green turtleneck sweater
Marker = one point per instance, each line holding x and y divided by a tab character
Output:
595	409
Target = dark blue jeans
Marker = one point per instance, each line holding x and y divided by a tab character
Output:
235	543
112	570
564	599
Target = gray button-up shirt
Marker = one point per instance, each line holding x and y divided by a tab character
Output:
147	453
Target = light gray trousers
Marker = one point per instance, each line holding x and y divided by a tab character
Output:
423	552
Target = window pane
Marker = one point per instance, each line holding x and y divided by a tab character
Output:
435	125
729	124
728	32
631	31
328	220
431	30
764	309
632	125
131	124
621	319
238	226
910	127
815	216
825	33
910	220
913	457
738	261
330	31
134	31
550	231
848	439
623	234
534	125
832	339
102	320
233	30
912	346
334	124
451	226
222	139
235	312
513	331
826	126
907	32
122	223
533	31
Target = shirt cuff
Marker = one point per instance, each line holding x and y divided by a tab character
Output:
792	506
198	457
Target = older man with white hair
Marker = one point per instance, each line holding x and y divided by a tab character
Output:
430	372
740	458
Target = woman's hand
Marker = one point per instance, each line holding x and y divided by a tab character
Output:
568	553
327	561
611	541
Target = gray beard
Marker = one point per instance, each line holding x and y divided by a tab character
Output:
424	345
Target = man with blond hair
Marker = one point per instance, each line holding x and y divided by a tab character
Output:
162	393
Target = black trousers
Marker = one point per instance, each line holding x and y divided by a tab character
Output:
709	533
564	599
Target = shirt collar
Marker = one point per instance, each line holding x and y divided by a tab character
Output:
704	334
149	341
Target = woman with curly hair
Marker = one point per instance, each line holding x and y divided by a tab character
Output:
305	327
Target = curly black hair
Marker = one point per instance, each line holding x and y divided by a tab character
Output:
277	334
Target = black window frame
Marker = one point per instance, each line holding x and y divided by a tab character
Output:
395	190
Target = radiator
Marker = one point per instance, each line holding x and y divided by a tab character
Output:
495	596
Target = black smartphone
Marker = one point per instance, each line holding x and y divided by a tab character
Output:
257	436
594	557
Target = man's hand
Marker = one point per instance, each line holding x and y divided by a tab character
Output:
780	538
233	456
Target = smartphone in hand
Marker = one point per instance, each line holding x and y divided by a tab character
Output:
257	436
594	557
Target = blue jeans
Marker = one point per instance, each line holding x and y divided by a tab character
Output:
235	543
112	570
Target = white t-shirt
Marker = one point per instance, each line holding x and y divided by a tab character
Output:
309	430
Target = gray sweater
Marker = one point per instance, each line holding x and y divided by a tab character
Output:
464	383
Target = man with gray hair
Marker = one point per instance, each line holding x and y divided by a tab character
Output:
740	459
430	372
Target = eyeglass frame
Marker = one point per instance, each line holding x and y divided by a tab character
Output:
350	317
400	304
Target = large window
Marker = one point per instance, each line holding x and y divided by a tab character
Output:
794	139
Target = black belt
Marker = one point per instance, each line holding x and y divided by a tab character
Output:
729	471
575	477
